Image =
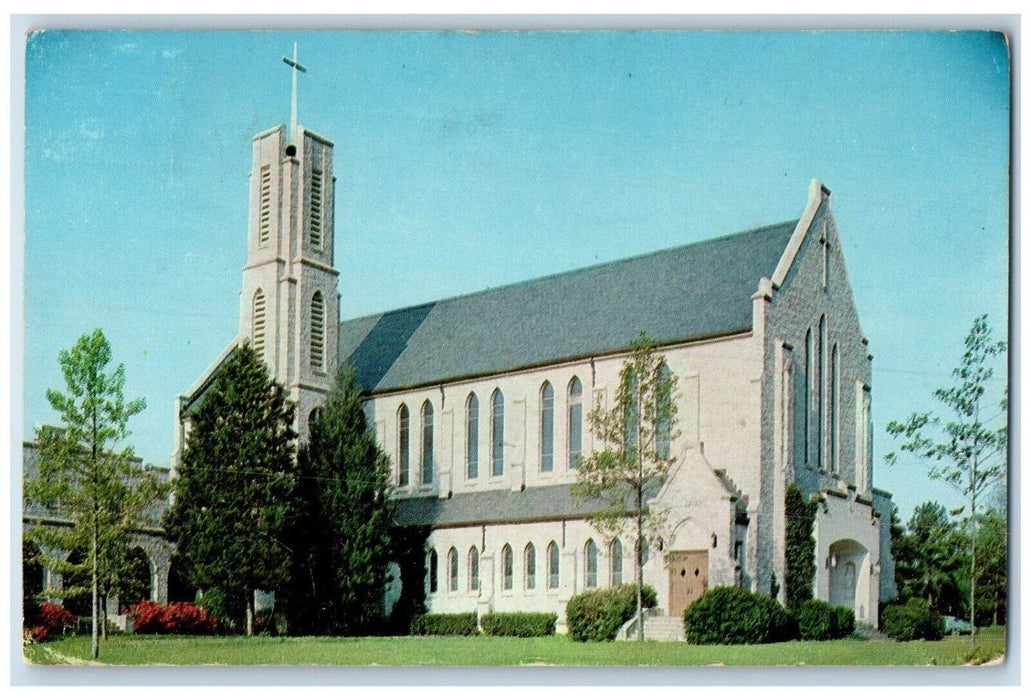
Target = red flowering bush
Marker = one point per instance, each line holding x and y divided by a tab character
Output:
176	618
37	634
55	616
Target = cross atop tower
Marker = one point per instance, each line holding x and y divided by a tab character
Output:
295	67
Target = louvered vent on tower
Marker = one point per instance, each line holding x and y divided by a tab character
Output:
265	204
315	215
318	331
258	324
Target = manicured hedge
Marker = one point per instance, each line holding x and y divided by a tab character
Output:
598	614
519	624
819	620
732	615
444	624
914	620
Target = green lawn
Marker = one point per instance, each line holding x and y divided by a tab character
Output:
500	651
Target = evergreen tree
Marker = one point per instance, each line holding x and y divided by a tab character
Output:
88	476
342	540
963	450
930	560
235	487
634	454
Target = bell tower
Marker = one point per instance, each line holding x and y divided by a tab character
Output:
289	304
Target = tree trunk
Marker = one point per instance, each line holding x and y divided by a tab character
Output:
639	570
250	614
973	573
103	616
95	632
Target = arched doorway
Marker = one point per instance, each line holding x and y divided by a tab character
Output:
848	561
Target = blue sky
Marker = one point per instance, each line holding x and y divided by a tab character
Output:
472	160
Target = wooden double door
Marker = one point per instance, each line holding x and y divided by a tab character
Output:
688	578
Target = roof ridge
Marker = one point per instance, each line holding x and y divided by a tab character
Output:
594	266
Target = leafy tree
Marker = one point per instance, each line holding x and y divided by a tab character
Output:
962	449
991	567
342	539
929	560
87	476
234	491
800	547
635	436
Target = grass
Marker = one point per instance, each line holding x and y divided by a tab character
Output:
132	650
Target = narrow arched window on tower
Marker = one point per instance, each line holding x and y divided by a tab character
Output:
258	323
318	333
547	427
427	443
497	429
432	571
402	445
315	211
576	392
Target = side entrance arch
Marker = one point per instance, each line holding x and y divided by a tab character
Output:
849	564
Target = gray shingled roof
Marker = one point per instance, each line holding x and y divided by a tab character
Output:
499	506
694	291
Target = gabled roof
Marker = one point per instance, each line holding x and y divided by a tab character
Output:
501	506
694	291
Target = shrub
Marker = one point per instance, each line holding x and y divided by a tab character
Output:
732	615
913	620
445	624
519	624
817	620
845	620
597	615
54	616
176	618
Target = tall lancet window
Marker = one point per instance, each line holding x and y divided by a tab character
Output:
576	416
402	445
547	427
832	426
497	429
821	399
315	210
807	392
472	437
258	323
318	333
663	426
427	443
264	204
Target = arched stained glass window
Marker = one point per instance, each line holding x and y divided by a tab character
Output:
474	569
472	437
664	413
547	427
402	445
591	564
506	568
432	570
530	566
575	419
553	561
452	569
426	458
616	558
497	430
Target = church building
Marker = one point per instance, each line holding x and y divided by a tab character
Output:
481	402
